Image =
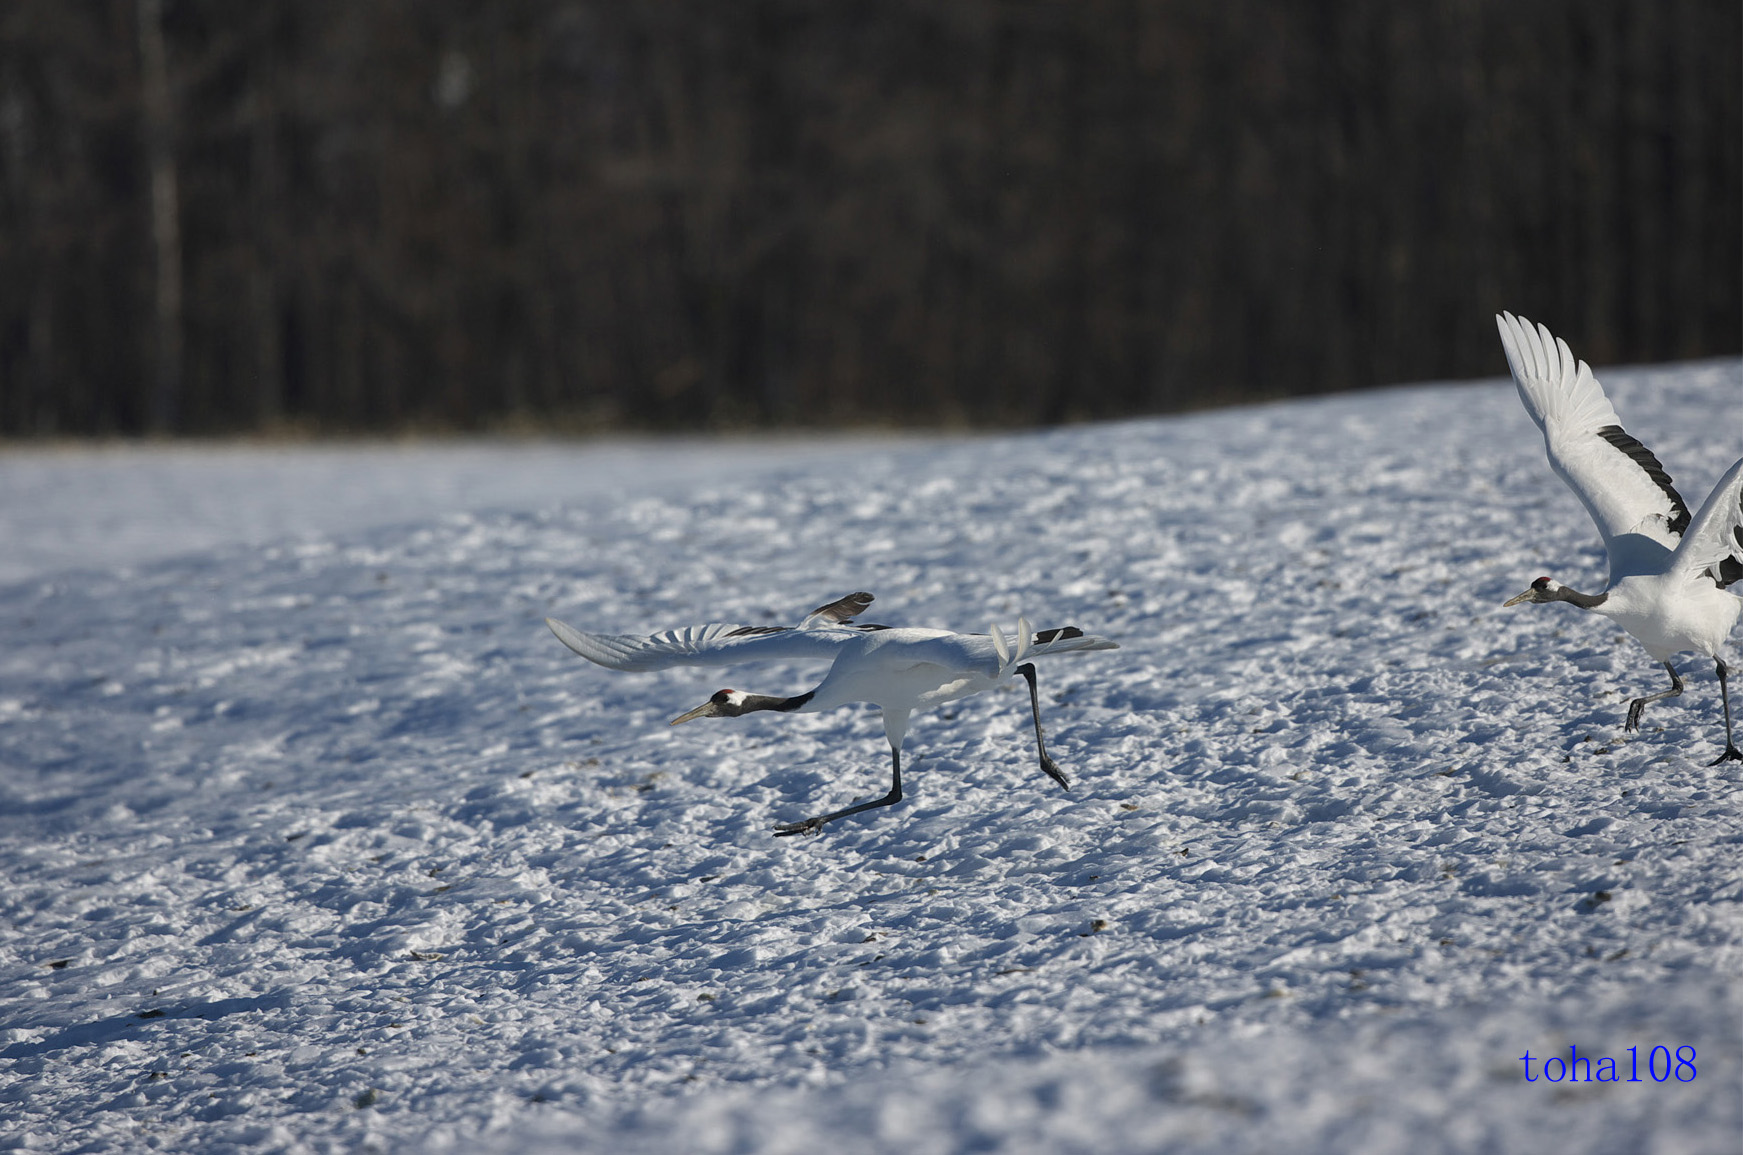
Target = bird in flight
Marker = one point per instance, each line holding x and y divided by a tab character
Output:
1668	568
899	670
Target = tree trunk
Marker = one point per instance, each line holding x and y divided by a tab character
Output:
165	216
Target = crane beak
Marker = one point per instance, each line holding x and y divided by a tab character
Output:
1513	601
705	710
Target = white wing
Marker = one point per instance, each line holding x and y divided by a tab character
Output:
1619	481
970	652
1713	542
716	644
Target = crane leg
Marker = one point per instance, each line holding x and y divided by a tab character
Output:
1638	705
1027	669
1731	754
813	825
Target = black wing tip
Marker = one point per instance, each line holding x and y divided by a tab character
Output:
751	631
844	610
1649	464
1729	571
1063	632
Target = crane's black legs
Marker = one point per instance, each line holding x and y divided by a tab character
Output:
1638	705
1027	669
813	825
1731	754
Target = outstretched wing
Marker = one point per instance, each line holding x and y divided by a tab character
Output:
715	644
1618	480
968	651
1713	543
819	635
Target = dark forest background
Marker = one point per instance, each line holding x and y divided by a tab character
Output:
372	215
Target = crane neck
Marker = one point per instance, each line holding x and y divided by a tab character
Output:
754	702
1575	597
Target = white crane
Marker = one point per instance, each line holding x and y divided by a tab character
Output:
897	670
1668	570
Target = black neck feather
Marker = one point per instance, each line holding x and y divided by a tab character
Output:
765	702
1584	601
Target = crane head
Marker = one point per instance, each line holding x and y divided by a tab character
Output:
1542	590
724	704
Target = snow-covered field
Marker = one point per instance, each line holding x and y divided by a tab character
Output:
312	838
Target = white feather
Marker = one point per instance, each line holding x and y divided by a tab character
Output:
1569	406
1713	534
705	645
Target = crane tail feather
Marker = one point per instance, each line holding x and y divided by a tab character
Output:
999	646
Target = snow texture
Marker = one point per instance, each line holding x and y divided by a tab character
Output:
314	839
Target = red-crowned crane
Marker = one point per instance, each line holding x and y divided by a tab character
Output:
1668	569
899	670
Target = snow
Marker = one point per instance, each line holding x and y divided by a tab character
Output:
313	839
138	503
